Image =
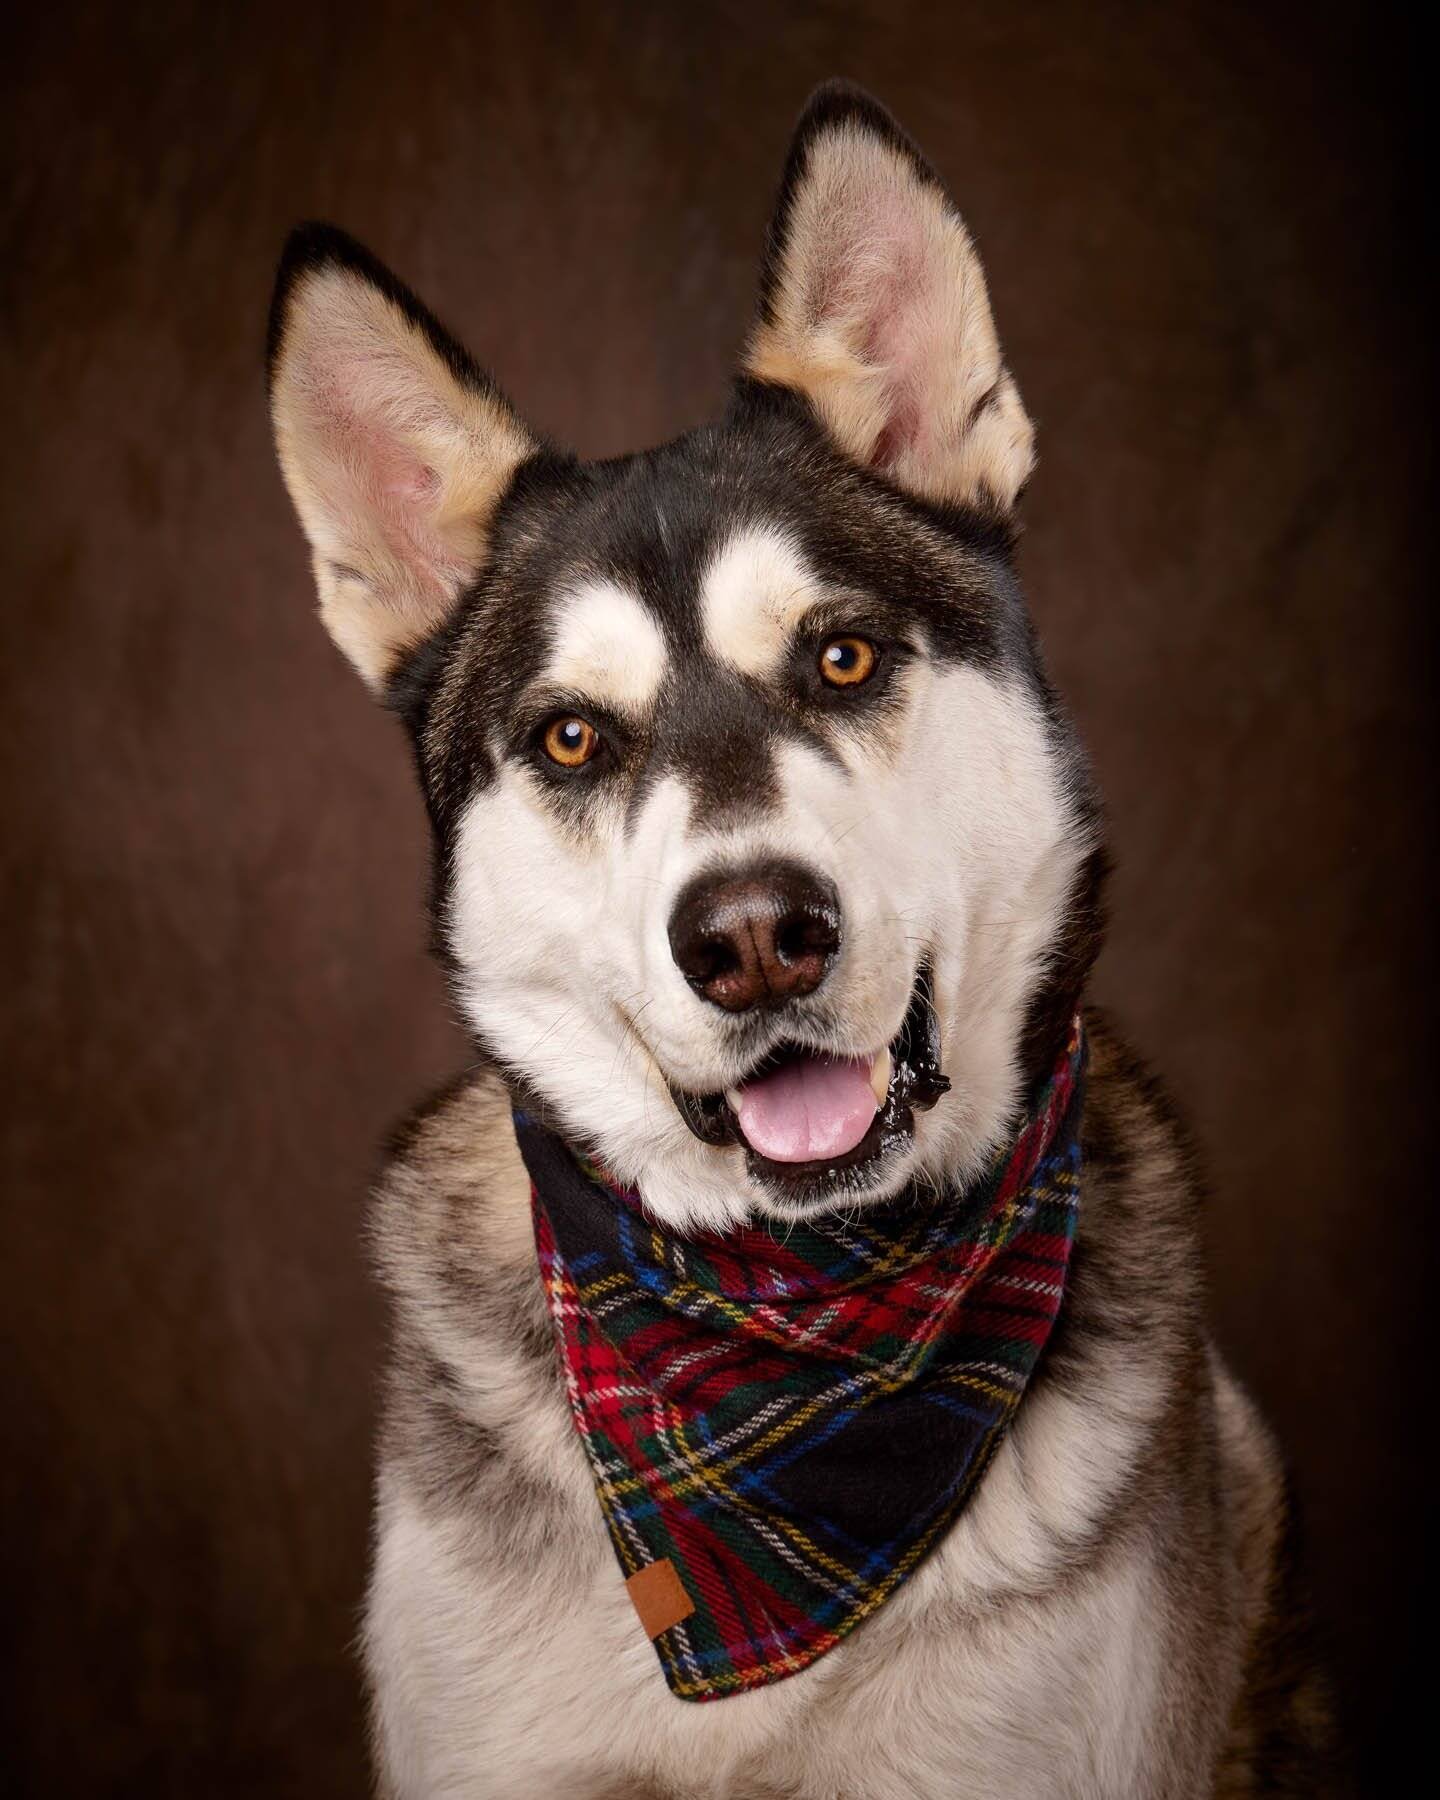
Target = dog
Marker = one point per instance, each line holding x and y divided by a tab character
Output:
768	877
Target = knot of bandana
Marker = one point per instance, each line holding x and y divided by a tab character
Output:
781	1426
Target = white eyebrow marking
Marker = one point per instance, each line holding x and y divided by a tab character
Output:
756	590
606	644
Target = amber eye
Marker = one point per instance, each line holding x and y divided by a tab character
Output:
570	742
847	661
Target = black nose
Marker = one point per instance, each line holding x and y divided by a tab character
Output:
756	937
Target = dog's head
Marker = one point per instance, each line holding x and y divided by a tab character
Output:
766	866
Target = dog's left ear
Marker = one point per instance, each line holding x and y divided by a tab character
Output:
873	307
395	447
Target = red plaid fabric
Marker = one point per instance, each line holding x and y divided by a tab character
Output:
792	1422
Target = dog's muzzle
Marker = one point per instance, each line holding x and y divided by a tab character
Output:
872	1104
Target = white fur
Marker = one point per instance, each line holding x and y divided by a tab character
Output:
951	836
606	645
755	592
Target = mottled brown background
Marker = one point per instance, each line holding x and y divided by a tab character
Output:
1198	225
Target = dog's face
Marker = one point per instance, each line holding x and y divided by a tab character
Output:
764	859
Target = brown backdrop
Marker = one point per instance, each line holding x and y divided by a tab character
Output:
1195	221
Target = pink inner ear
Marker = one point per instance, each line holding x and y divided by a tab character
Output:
403	477
898	435
389	491
881	279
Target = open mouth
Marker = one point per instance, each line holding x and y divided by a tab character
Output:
810	1121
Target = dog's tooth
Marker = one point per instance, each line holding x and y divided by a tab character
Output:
880	1076
732	1099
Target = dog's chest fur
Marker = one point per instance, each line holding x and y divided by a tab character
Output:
1083	1629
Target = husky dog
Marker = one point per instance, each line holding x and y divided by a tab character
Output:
745	777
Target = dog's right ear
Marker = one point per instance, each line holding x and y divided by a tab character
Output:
395	447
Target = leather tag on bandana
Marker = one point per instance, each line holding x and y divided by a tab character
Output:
659	1596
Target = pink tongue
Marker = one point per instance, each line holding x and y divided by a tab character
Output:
814	1107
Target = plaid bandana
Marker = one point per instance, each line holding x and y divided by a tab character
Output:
780	1427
